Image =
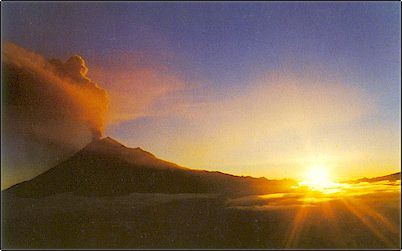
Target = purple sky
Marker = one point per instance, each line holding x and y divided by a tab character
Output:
182	75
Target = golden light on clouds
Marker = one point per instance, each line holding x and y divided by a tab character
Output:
280	121
285	119
133	90
87	101
51	107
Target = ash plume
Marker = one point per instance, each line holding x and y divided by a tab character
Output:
50	108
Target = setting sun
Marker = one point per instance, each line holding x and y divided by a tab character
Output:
179	125
317	178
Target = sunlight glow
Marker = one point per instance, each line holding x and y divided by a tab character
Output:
317	178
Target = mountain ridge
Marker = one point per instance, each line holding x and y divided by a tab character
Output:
105	167
388	177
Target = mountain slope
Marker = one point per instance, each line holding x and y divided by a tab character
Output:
107	168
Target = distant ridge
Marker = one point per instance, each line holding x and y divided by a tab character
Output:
390	177
106	167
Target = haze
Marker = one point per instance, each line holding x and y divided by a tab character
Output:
259	89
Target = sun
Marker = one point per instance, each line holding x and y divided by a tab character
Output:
317	178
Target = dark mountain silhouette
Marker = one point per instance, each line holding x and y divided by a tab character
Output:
390	177
107	168
131	199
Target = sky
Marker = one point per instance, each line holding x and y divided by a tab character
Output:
261	89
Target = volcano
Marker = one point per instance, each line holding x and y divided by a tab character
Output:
106	167
108	195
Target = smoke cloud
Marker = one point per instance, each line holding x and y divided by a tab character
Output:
50	108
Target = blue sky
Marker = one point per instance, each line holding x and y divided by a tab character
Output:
221	43
220	51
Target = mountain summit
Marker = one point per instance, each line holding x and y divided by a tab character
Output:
106	143
108	147
106	167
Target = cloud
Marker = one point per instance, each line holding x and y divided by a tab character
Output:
278	121
300	196
135	88
50	107
71	93
277	105
278	102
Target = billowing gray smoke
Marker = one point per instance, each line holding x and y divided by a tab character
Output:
50	109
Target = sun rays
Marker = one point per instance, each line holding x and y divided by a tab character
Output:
353	202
